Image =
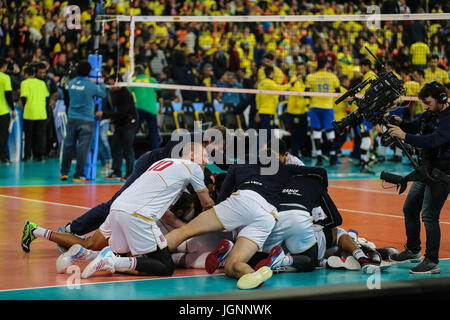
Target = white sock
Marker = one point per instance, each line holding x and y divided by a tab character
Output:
178	260
124	263
287	261
42	233
358	253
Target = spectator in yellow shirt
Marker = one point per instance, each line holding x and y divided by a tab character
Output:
266	104
433	72
419	52
296	109
269	61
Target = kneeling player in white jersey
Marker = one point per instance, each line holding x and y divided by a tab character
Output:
131	227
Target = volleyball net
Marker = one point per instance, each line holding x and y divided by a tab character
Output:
222	59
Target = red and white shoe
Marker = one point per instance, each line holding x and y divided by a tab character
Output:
273	261
217	257
103	262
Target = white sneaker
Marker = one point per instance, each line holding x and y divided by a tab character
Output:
350	263
255	279
103	262
74	255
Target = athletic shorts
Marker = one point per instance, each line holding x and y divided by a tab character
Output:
249	210
320	118
397	112
295	229
133	233
365	126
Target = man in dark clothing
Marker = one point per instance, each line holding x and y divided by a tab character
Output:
432	133
50	131
188	75
124	116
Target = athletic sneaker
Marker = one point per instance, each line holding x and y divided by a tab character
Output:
74	255
103	262
64	177
349	263
426	267
81	179
255	279
406	255
386	252
66	229
365	169
63	229
27	235
273	261
368	265
319	162
215	258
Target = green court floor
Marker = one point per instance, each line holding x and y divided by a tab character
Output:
213	286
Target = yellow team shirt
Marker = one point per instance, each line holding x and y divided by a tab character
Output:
419	52
439	75
322	81
412	89
278	75
340	110
267	103
36	92
5	85
297	104
372	47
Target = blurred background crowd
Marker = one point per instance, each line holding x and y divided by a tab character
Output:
229	55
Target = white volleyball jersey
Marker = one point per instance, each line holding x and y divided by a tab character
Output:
159	187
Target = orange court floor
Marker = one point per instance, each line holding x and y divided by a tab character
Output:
32	191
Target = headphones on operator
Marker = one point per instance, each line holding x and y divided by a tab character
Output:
441	93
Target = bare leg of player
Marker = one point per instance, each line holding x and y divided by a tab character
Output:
96	242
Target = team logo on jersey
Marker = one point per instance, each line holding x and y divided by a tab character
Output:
292	192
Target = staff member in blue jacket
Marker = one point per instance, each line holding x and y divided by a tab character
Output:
80	123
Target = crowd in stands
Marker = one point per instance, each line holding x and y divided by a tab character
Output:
229	55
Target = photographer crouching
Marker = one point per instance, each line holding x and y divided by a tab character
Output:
432	133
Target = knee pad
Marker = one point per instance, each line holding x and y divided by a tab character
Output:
317	134
331	135
365	143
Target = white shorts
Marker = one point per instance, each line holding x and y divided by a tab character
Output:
295	229
324	252
249	210
133	233
321	241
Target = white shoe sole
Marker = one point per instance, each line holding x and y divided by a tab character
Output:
255	279
350	263
64	260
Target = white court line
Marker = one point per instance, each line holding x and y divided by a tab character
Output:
381	214
86	208
45	202
366	190
116	281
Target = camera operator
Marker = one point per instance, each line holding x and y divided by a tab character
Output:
432	133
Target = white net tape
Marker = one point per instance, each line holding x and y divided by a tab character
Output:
370	19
